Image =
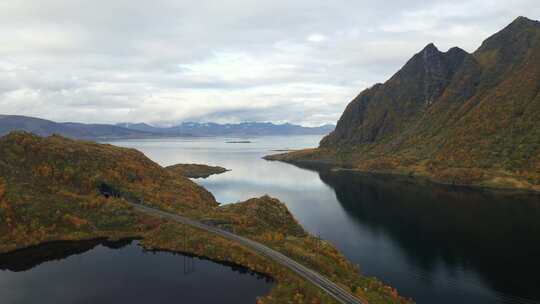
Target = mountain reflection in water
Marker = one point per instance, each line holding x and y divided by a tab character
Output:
434	243
494	233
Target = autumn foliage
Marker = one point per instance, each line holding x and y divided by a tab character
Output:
54	189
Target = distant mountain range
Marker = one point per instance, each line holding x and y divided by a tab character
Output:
239	129
454	117
43	127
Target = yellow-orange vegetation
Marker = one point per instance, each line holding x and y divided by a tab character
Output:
56	189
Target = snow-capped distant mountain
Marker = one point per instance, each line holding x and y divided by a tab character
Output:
238	129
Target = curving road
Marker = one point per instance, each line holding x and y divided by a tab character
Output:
317	279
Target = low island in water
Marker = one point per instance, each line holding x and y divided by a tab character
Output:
196	170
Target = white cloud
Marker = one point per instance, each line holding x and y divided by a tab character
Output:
170	60
316	38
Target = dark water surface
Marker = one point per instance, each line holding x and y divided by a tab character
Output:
97	272
436	244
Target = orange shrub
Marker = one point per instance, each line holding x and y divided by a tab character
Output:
75	221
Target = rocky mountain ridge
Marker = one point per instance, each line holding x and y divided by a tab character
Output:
453	117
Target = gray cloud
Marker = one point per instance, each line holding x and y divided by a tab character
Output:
166	61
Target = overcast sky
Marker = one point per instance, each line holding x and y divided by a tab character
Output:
166	61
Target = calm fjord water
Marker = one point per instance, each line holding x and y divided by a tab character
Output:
436	244
97	272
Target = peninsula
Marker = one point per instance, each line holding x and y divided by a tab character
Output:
58	189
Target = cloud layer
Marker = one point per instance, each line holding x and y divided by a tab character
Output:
166	61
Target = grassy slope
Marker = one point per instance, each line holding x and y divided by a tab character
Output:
50	190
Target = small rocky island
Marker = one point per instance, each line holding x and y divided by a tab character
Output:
195	170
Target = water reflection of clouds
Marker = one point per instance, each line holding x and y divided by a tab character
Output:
74	272
431	243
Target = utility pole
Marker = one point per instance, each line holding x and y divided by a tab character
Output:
318	245
189	262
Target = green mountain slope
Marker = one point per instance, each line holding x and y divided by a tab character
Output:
453	117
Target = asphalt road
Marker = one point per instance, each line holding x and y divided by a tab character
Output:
317	279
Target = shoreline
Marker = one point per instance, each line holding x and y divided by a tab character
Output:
233	256
91	201
318	164
113	244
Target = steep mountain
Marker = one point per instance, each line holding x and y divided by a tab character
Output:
450	116
239	129
387	109
9	123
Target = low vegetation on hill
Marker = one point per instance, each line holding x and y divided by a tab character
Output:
55	189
